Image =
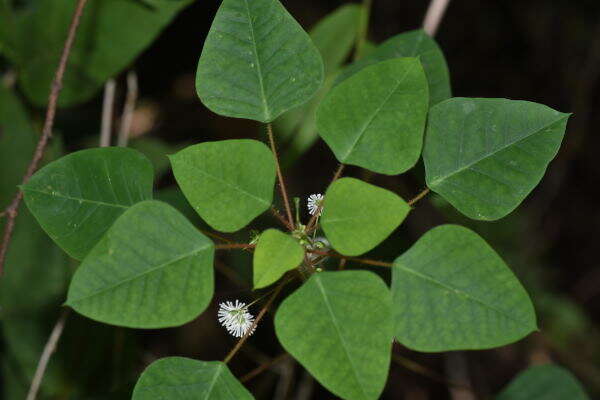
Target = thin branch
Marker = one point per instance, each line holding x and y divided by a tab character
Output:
216	236
434	16
282	188
366	261
263	367
13	208
128	109
422	370
280	218
419	197
260	315
45	357
313	220
231	246
107	112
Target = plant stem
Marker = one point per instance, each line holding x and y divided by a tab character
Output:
107	112
260	315
358	260
282	188
312	223
128	109
230	246
434	16
280	218
263	367
13	208
419	197
363	29
45	358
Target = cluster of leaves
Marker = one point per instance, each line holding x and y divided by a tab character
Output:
144	265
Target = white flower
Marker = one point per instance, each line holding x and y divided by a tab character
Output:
314	202
235	318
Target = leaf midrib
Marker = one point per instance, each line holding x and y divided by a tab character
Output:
232	186
267	114
342	340
462	292
376	112
137	276
83	200
465	167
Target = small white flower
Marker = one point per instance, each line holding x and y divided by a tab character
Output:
314	202
236	318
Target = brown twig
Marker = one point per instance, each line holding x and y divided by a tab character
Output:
366	261
263	367
128	109
45	357
260	315
282	188
434	16
216	236
419	197
281	218
422	370
107	112
12	209
231	246
313	220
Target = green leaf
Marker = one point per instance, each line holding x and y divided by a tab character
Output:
152	269
338	325
17	144
186	379
110	36
451	291
229	182
411	44
544	382
334	37
78	197
335	34
486	155
357	216
275	254
257	62
376	118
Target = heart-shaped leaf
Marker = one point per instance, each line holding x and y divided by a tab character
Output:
357	216
376	118
152	269
451	291
544	382
186	379
78	197
485	155
338	325
229	183
275	254
257	62
417	44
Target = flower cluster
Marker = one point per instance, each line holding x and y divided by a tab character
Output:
236	318
314	202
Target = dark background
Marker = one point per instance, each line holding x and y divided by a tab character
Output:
542	51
